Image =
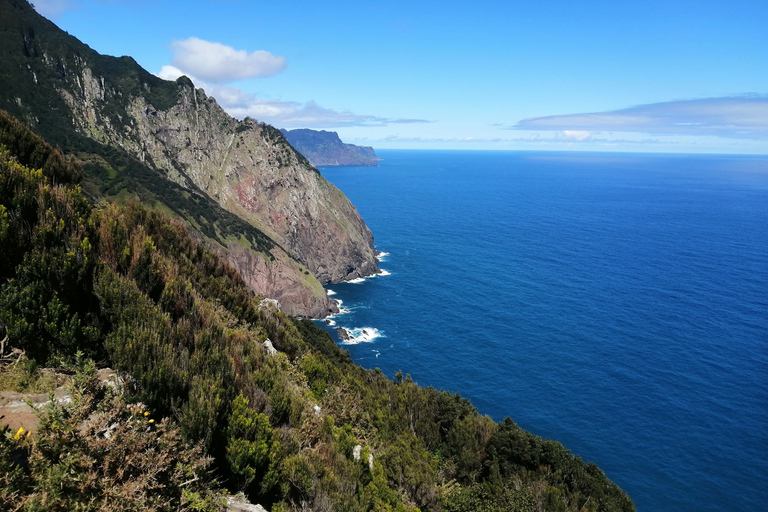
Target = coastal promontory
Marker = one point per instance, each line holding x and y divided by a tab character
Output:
323	148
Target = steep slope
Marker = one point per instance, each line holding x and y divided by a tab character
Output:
286	415
326	148
170	144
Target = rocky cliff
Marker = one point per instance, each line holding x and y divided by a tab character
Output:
326	148
140	134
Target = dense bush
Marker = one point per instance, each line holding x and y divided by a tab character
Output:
303	428
101	453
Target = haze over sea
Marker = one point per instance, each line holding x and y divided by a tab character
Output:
617	303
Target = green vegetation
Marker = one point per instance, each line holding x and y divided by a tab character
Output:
130	288
101	453
48	61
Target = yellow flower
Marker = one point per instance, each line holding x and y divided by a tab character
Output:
146	413
151	421
19	433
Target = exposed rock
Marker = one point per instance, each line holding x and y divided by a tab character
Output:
15	409
299	294
269	303
356	451
70	92
239	503
110	378
269	347
344	334
248	168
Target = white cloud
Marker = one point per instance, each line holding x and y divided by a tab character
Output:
210	65
558	140
172	73
293	114
577	135
53	8
744	117
283	114
218	63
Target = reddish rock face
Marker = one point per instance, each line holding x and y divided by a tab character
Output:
183	135
250	170
280	279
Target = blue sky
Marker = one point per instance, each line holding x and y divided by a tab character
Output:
661	76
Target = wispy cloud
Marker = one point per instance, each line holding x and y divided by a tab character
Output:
292	114
743	117
219	63
53	8
577	135
560	139
406	121
284	114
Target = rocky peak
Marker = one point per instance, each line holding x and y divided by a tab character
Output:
110	110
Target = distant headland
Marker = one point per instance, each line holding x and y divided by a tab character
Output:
326	148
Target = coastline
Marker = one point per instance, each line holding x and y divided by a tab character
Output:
349	335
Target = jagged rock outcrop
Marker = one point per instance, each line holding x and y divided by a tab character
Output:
95	104
241	504
326	148
246	166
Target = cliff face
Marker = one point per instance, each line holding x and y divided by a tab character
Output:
248	168
326	148
69	93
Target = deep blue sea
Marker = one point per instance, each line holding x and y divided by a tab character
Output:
617	303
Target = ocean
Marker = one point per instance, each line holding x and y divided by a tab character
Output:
617	303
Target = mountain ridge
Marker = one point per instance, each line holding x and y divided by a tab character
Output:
286	415
172	145
323	148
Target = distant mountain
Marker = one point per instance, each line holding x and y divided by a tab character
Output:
326	148
238	183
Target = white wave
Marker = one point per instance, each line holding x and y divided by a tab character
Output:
380	256
357	335
329	322
330	292
359	280
342	309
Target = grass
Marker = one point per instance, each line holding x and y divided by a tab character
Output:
24	376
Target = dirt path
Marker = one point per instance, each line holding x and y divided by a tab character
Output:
15	412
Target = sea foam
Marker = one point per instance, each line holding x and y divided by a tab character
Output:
357	335
359	280
342	309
